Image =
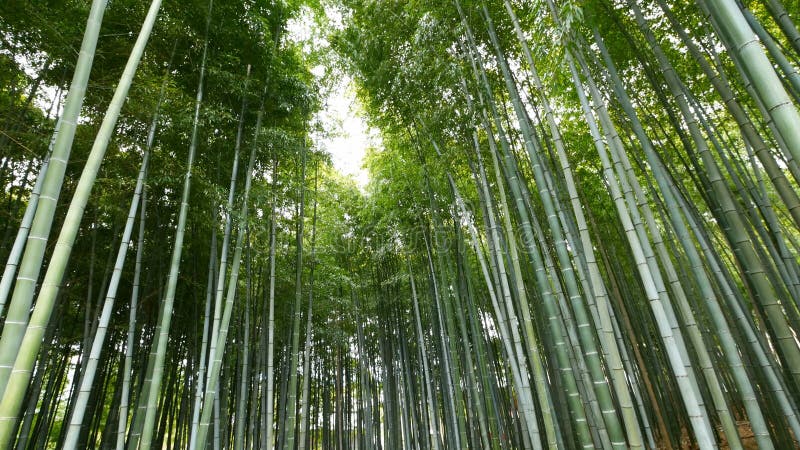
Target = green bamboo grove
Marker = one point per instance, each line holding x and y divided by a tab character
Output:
581	227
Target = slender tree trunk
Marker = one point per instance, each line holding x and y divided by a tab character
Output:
267	442
158	352
294	350
33	257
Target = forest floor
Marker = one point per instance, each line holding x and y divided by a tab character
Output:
745	434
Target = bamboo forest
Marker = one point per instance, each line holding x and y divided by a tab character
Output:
565	224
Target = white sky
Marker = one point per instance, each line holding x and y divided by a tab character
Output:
345	133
